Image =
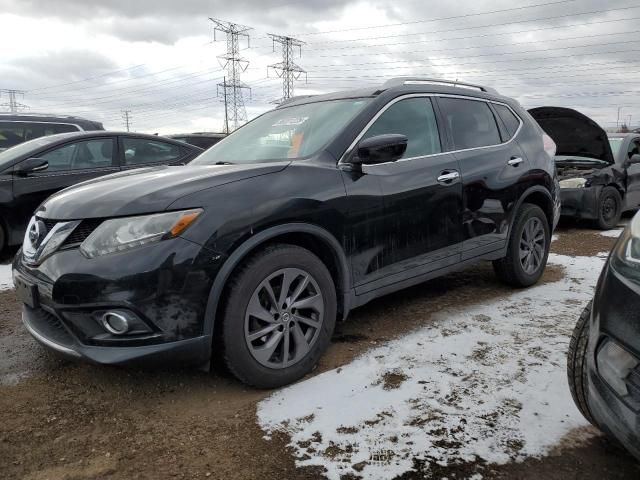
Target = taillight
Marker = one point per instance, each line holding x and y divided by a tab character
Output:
549	145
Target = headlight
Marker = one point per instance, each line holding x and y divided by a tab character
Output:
120	234
573	183
626	254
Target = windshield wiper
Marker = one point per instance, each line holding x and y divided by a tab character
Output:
224	163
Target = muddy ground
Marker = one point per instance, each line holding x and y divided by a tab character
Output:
62	420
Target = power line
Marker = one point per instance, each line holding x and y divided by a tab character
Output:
288	70
12	104
430	20
475	27
471	37
235	65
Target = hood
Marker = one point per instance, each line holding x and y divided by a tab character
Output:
145	190
575	134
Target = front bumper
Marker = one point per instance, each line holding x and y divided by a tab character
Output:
165	286
615	318
49	331
580	202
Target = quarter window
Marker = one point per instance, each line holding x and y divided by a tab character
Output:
88	154
511	122
140	151
471	123
413	118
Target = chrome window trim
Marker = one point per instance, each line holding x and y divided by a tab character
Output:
349	150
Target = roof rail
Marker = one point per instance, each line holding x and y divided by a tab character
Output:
293	99
395	82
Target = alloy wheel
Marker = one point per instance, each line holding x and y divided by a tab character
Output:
532	245
284	318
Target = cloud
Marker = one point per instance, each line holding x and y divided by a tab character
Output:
157	59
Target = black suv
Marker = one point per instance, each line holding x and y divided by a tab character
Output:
255	248
16	128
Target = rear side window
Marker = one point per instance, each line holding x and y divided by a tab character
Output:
413	118
471	123
511	122
141	151
14	133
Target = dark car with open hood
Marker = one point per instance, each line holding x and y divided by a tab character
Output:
259	245
604	354
599	173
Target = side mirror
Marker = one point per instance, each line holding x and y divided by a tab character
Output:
380	149
634	160
31	165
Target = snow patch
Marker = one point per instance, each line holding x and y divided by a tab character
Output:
612	233
482	384
6	280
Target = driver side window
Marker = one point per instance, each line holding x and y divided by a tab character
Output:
413	118
85	155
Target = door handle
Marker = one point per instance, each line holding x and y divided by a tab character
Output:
448	177
515	161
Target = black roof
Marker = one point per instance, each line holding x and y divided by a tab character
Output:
198	134
51	118
404	84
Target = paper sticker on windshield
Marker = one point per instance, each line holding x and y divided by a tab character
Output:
291	121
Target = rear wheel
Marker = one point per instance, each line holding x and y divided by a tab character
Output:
527	250
609	208
279	316
576	364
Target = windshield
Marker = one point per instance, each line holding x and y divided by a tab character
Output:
7	156
285	133
616	143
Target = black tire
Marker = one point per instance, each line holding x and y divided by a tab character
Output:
609	208
244	284
3	238
509	269
576	364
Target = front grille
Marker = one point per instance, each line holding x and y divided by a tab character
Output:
48	223
81	232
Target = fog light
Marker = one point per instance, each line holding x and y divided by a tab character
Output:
614	366
115	323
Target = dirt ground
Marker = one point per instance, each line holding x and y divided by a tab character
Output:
62	420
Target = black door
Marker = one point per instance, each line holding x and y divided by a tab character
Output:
491	167
68	164
633	176
421	197
146	152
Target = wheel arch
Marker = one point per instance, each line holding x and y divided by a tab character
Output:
312	237
541	197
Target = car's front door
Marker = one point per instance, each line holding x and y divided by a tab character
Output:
633	176
421	195
491	167
68	164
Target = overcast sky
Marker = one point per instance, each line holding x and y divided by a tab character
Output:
157	58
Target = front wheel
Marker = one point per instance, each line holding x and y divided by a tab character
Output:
609	208
576	364
527	250
279	317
